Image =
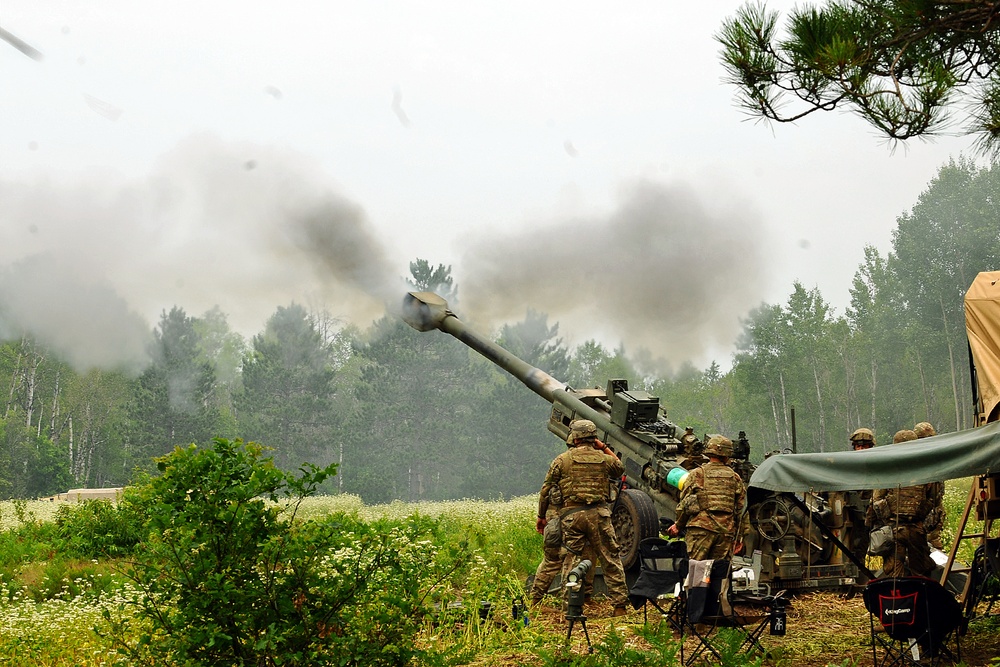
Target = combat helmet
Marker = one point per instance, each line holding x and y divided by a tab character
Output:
719	445
906	435
581	429
924	430
862	438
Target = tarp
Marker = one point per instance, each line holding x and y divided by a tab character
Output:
982	325
947	456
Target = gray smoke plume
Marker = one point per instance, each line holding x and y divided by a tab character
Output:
88	266
662	274
235	225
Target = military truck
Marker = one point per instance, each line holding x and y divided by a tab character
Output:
791	546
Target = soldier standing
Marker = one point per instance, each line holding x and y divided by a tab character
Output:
583	474
858	501
935	520
905	509
550	505
713	506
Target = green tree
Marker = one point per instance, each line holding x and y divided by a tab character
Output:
700	400
519	449
31	465
417	428
886	372
591	365
811	362
223	349
938	248
288	390
905	67
437	279
93	415
173	402
758	368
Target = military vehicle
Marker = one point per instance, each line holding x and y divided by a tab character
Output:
791	546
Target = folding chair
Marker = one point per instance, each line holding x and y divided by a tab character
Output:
746	613
706	581
913	620
663	569
662	584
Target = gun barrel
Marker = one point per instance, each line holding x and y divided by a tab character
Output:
425	311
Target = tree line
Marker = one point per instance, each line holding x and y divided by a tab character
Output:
420	416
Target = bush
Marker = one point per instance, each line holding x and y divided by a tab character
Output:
100	528
228	578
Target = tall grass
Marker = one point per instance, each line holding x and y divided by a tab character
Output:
51	602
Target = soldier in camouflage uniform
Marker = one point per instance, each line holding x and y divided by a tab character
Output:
583	474
857	502
713	506
550	504
935	520
905	509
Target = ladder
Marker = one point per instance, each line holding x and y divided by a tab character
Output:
985	511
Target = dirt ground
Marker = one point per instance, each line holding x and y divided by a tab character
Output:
824	629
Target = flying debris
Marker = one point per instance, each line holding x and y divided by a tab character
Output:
397	107
109	111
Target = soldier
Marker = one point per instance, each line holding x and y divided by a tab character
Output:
905	509
583	474
862	439
935	520
550	504
858	501
713	506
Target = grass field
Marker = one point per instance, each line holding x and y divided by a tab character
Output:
51	605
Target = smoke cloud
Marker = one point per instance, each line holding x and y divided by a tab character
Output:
86	265
663	274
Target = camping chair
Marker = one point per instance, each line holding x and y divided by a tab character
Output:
662	584
913	620
746	613
663	569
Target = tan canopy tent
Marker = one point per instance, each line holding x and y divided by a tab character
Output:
982	324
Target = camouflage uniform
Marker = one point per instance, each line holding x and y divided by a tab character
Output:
935	520
713	508
906	509
583	475
857	502
549	506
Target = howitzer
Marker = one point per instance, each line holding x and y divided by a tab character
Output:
656	454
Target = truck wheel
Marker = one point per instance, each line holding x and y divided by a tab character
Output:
634	520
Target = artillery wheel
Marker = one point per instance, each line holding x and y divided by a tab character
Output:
772	519
634	520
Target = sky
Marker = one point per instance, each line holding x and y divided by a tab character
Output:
581	159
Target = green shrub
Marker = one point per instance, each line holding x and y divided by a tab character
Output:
227	577
100	528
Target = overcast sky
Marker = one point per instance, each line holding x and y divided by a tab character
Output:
581	159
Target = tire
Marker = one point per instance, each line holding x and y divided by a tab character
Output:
634	520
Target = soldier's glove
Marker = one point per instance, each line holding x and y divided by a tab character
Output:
540	524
